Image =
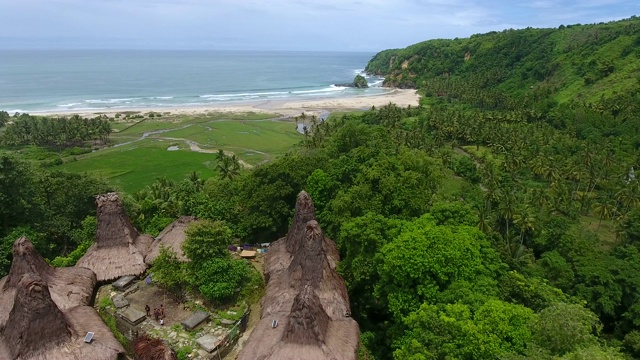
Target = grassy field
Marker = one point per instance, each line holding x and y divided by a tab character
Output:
255	139
134	166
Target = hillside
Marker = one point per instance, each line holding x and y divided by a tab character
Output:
581	62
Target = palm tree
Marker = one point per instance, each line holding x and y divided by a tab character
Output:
227	168
604	209
196	181
220	155
525	219
506	208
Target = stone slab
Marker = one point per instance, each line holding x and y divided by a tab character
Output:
208	342
133	315
194	320
227	322
124	282
119	301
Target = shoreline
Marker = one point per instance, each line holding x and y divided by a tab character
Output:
400	97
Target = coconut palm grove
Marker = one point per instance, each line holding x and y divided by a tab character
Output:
499	219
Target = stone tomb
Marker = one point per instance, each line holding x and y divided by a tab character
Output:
208	342
195	320
119	301
124	282
132	316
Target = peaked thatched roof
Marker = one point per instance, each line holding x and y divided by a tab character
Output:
306	296
35	322
119	249
305	211
44	312
69	287
172	237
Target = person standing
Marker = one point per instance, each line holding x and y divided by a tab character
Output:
148	310
162	311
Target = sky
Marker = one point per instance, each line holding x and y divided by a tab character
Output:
323	25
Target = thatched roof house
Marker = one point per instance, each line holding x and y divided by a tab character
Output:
69	287
44	313
305	310
172	237
119	249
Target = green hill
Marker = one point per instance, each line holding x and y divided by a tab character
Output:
581	62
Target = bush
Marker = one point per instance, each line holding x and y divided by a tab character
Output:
466	168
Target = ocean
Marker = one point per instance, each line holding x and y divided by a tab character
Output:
80	80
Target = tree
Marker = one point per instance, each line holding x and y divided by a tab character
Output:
206	240
456	331
431	263
562	328
169	272
219	278
228	167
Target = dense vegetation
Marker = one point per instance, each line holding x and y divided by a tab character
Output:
500	219
58	132
50	207
575	62
210	271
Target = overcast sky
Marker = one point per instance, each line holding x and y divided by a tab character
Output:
356	25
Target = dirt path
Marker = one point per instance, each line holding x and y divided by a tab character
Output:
194	146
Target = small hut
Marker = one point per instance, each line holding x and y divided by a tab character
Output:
305	310
172	237
44	312
119	249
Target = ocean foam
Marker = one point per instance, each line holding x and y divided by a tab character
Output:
112	101
256	94
331	88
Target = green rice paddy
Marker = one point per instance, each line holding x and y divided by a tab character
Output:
137	161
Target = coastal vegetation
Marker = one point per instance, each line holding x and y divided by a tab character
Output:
360	82
499	219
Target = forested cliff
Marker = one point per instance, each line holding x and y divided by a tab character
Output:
573	62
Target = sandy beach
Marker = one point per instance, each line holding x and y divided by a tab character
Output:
400	97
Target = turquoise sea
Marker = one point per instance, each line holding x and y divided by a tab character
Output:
68	80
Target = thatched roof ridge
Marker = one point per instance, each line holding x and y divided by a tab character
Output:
306	296
119	249
305	211
69	287
114	227
310	265
26	260
172	237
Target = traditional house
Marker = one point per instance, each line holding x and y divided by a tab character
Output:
172	237
45	312
305	310
119	249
